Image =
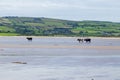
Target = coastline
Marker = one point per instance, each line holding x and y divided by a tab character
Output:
64	37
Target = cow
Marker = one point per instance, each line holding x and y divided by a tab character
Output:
87	40
80	40
29	38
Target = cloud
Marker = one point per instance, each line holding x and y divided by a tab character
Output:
65	9
52	4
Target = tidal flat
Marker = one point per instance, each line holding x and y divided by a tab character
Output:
59	58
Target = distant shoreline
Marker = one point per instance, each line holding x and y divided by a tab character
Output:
65	37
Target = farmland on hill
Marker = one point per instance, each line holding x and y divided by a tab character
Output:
32	26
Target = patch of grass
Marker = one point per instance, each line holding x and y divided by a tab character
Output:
6	29
9	34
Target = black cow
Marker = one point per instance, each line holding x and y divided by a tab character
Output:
80	40
87	40
29	38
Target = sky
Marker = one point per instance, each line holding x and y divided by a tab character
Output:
101	10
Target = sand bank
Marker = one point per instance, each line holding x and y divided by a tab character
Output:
62	47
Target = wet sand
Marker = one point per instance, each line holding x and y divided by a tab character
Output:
62	47
58	46
33	50
59	59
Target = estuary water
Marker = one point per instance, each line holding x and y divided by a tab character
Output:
59	58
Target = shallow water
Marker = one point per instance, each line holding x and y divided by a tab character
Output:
55	59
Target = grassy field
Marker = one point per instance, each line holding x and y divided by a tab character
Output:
9	34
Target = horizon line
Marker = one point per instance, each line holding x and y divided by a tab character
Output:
58	18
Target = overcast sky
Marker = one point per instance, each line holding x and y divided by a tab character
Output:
107	10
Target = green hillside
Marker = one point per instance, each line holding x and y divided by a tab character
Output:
17	26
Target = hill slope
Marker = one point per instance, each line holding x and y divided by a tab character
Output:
54	27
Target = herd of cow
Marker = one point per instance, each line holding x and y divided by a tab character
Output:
87	40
